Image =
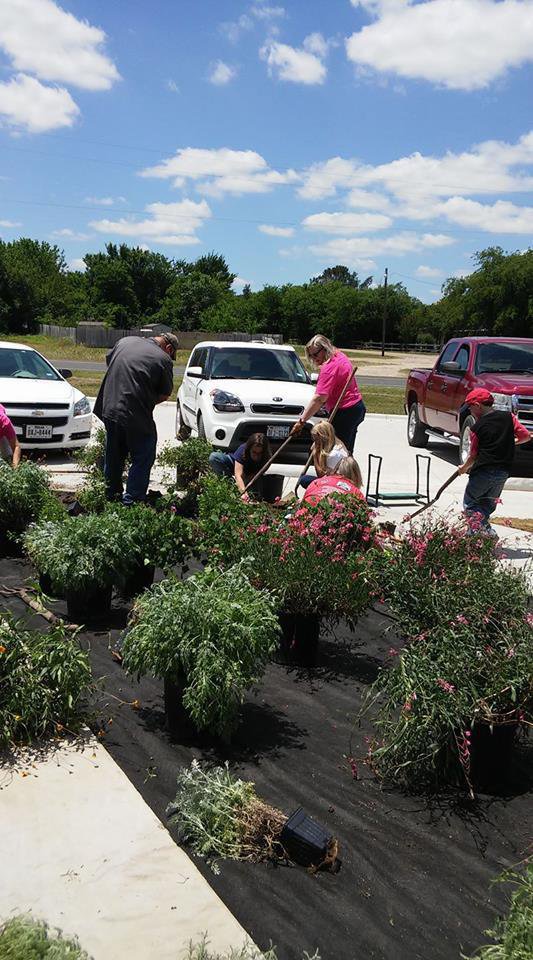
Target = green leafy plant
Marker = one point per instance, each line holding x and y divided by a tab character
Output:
189	460
220	815
202	951
92	456
23	938
44	678
316	560
513	934
215	629
92	496
24	496
473	668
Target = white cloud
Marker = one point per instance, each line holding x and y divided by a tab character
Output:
9	224
221	73
233	29
239	283
39	37
346	223
27	104
69	234
423	271
499	217
461	44
77	264
292	64
172	86
168	223
220	171
350	249
323	179
368	200
104	201
276	231
315	43
264	12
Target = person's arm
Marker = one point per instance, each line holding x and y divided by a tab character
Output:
521	433
312	407
238	473
17	451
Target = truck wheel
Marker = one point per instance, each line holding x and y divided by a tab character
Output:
201	428
183	431
464	444
416	430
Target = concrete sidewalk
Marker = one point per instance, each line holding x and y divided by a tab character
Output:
80	849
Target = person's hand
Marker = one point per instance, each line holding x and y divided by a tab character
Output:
464	468
245	497
297	428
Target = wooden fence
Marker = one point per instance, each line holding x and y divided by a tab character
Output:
97	335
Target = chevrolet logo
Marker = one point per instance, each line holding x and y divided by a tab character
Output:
37	413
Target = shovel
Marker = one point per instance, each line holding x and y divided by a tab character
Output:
436	497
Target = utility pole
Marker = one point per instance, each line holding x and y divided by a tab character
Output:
384	325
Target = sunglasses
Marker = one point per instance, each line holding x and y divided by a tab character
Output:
315	354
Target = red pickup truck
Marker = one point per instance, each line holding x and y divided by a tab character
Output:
434	399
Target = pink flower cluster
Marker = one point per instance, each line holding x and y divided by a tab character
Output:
448	687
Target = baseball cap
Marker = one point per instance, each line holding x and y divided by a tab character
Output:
479	395
172	341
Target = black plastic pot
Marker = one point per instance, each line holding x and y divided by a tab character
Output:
299	638
89	605
177	720
305	841
47	587
139	579
8	547
490	754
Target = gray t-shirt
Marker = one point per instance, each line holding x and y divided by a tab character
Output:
139	372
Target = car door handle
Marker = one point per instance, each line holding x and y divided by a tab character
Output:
444	388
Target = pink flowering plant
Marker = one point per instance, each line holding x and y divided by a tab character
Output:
317	559
470	669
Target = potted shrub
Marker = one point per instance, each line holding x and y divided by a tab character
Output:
83	556
209	638
156	539
449	704
188	465
316	561
44	678
24	497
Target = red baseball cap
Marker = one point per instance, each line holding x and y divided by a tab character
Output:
479	395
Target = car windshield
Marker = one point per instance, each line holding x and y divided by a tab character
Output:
241	363
25	365
504	357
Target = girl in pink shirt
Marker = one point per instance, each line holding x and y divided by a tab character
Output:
9	445
335	368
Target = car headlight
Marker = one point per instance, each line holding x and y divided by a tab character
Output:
82	407
226	402
503	401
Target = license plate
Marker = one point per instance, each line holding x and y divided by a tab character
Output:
278	433
39	431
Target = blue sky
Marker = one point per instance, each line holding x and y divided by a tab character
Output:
287	136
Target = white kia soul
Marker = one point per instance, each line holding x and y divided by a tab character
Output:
233	389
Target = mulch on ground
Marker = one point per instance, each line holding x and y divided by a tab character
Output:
415	876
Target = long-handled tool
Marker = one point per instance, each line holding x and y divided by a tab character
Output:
436	497
330	419
282	446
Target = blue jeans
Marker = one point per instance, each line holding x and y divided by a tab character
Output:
222	464
346	423
306	479
482	491
123	441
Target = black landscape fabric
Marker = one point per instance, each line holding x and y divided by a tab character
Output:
415	877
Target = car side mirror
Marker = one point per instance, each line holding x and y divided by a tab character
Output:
313	378
66	374
451	366
195	372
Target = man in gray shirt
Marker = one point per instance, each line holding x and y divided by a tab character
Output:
139	376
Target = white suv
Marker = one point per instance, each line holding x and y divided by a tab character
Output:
233	389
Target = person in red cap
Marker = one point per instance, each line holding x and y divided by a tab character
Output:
493	439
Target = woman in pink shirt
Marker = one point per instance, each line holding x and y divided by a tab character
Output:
335	368
9	445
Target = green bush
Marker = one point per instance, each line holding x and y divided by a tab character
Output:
220	815
216	629
92	456
513	934
471	668
317	560
189	460
102	549
24	497
43	679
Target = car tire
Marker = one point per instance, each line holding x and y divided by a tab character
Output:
416	430
183	431
464	443
201	428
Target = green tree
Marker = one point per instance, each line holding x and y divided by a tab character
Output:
32	277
